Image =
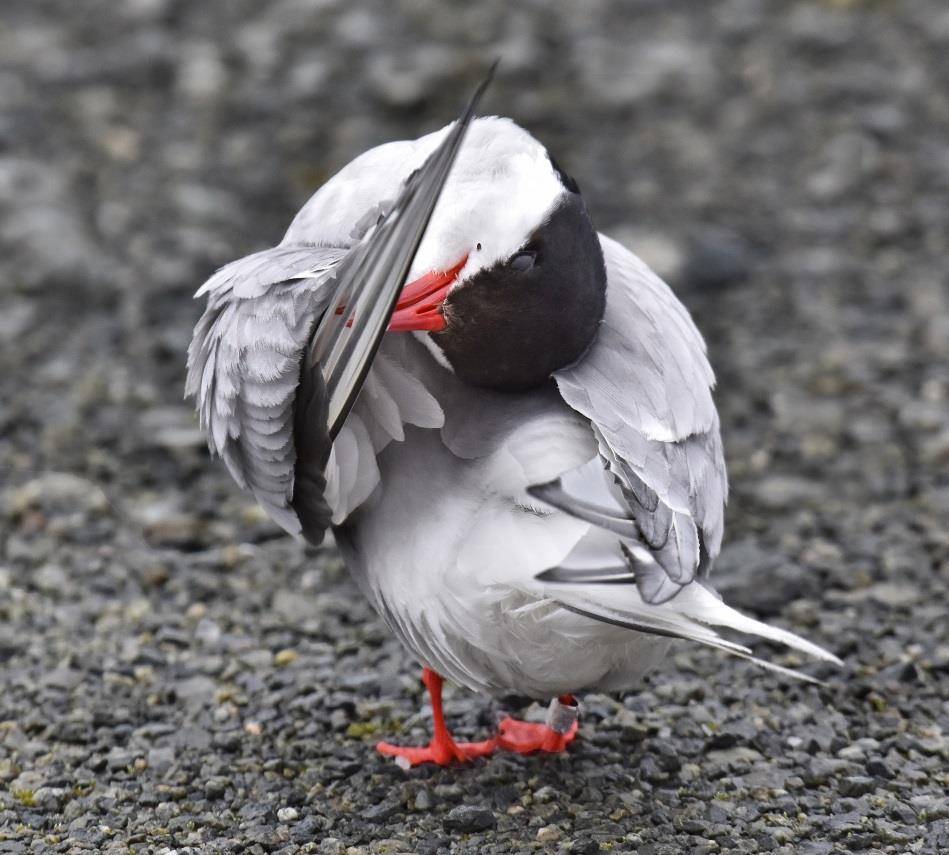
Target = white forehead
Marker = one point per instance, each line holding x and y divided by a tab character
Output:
501	188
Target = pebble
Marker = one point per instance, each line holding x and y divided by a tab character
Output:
467	819
160	760
381	812
548	834
285	657
423	800
856	785
716	258
57	492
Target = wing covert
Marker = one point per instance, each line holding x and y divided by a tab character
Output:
244	370
645	384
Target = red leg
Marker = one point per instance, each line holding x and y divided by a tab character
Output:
442	749
524	737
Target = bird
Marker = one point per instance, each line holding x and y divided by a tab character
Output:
505	418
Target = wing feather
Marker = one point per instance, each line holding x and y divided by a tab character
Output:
244	368
646	384
259	406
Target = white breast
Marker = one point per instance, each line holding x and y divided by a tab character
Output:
448	546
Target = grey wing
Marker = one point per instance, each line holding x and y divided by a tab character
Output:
645	384
280	356
244	370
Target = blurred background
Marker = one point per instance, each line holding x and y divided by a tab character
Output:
174	673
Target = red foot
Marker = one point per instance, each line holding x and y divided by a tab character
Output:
441	752
524	737
442	749
521	737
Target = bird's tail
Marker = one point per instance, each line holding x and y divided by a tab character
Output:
693	614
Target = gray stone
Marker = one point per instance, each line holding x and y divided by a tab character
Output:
467	819
382	811
856	785
160	760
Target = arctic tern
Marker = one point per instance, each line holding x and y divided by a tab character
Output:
505	417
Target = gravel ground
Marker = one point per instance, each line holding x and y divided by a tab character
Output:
178	676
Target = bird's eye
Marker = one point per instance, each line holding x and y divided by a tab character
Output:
523	261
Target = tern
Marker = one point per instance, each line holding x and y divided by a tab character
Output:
505	418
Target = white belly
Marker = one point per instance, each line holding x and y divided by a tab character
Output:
447	550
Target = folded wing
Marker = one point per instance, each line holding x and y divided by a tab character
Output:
645	384
287	343
244	370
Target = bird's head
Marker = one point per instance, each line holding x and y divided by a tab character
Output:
509	281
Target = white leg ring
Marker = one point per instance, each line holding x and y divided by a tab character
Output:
560	717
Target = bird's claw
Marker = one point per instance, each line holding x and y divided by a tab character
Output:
440	752
526	737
